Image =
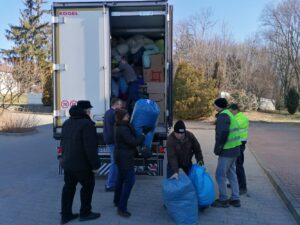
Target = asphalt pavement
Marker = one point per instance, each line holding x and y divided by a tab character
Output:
30	188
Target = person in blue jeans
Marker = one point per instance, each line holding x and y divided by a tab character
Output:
227	148
126	143
108	136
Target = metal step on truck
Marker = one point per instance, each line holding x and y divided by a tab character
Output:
88	40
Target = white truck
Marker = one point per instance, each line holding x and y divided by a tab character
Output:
83	37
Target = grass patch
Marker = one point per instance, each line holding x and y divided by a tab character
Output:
274	116
17	122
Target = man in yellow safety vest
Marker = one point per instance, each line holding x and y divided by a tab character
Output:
227	147
243	123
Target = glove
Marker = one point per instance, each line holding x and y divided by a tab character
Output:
200	162
218	150
174	176
146	130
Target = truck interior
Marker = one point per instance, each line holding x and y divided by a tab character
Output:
148	21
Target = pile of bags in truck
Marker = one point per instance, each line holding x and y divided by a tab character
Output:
146	56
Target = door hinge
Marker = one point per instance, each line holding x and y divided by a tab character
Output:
60	67
58	19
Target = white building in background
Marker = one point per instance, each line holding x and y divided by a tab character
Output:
7	82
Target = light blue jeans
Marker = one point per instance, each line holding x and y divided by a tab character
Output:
226	170
113	170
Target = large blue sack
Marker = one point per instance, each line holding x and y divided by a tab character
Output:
203	184
180	199
145	114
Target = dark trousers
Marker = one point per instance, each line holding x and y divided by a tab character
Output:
125	182
170	172
240	171
87	181
133	95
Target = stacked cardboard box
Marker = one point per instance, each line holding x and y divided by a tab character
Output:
156	71
156	91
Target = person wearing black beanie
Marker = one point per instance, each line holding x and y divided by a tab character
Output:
182	145
221	103
227	148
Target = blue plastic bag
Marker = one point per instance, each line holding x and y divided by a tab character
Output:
180	199
203	184
145	113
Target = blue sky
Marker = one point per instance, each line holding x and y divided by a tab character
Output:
240	16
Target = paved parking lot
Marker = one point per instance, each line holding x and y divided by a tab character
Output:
30	188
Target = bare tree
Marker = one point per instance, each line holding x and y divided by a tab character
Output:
282	31
20	79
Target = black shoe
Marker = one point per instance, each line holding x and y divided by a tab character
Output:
235	203
66	219
220	204
109	189
203	208
90	216
243	191
125	214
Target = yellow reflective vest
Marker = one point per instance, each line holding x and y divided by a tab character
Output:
233	139
243	123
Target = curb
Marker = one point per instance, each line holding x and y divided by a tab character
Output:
284	194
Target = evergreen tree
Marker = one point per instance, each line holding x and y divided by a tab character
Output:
31	43
193	95
292	101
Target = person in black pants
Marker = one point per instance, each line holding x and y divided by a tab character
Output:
126	143
80	161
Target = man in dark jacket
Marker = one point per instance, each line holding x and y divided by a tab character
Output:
227	147
181	146
79	160
108	136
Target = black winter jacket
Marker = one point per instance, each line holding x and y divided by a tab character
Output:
79	142
126	143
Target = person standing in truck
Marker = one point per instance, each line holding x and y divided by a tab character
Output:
80	161
108	136
182	145
131	78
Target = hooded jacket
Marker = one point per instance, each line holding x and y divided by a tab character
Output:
79	142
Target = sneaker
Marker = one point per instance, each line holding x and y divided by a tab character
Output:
125	214
90	216
220	204
66	219
243	191
109	189
235	203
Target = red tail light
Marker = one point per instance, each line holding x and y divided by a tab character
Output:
59	151
161	149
